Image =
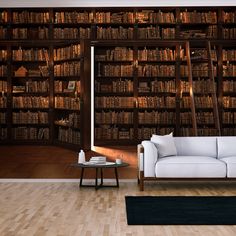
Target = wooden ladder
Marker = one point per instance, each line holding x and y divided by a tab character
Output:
212	88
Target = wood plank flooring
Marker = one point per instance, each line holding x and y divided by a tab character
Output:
64	209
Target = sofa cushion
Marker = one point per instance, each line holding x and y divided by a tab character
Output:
190	167
196	146
165	145
226	146
231	166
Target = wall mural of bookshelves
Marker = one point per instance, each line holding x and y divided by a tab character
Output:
141	86
67	72
30	93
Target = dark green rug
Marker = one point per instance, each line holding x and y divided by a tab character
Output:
176	210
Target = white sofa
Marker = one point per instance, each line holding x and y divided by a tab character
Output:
186	158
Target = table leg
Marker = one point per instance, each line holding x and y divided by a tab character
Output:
117	180
81	176
101	177
96	179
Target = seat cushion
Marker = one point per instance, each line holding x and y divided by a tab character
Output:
226	146
190	167
231	166
196	146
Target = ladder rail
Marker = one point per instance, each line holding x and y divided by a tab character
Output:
190	80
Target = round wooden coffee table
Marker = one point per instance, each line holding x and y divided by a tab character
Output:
99	167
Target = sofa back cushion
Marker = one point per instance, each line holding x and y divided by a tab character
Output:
196	146
226	146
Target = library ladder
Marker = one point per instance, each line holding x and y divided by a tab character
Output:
191	56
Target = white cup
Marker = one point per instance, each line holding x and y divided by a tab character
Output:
118	161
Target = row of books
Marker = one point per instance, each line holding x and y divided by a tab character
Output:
30	102
185	118
70	103
116	54
156	70
32	87
2	118
3	32
144	16
113	133
157	54
156	102
73	17
150	16
229	86
115	70
3	133
3	102
114	17
198	17
3	70
198	70
3	17
32	54
199	86
70	52
229	33
3	86
71	33
120	86
210	32
229	131
156	32
67	86
3	55
203	101
229	70
146	133
30	17
157	87
229	17
67	69
26	133
185	131
114	102
30	33
205	118
68	135
229	117
115	33
229	102
113	117
69	120
150	32
29	117
229	55
155	117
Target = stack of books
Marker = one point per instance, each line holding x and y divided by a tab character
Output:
99	160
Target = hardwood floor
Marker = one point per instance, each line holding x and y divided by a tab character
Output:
63	209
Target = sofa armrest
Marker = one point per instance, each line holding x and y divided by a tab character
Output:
150	155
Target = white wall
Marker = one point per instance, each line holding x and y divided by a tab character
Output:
109	3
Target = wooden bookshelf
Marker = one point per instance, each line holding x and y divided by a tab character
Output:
140	73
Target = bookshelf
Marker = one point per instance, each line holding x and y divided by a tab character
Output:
67	72
140	73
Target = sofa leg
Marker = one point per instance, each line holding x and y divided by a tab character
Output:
141	181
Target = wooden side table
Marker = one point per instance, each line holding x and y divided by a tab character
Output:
99	168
